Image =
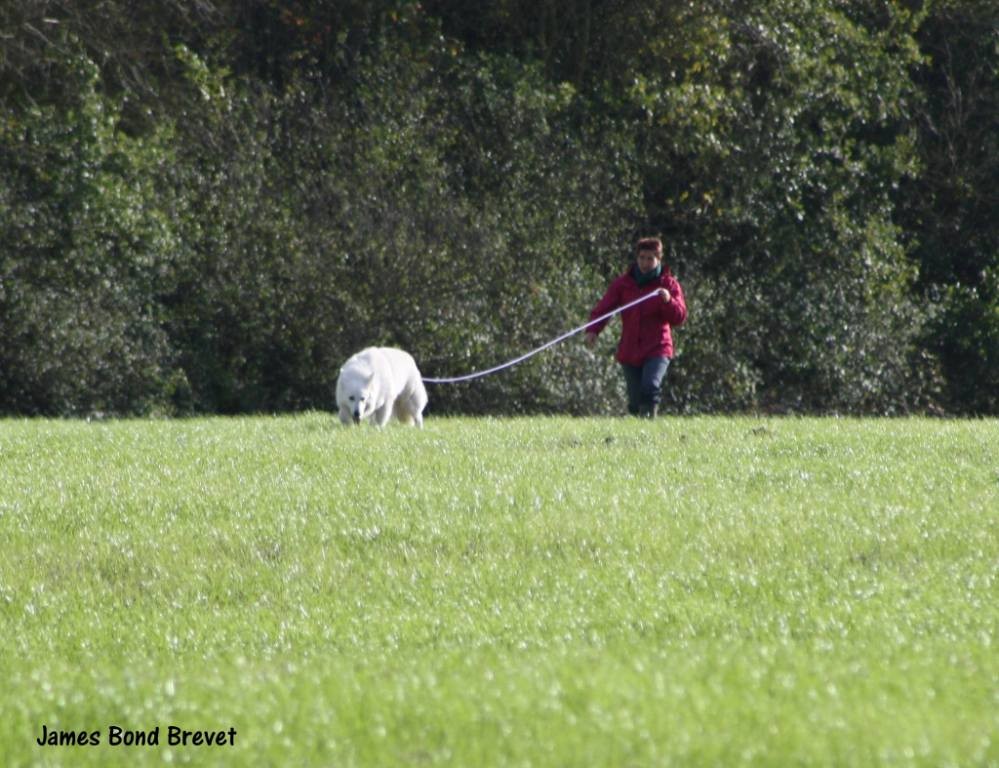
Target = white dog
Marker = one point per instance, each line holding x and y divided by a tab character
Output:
380	381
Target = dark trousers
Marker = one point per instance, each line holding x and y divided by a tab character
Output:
645	383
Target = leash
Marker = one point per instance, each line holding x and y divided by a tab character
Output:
542	348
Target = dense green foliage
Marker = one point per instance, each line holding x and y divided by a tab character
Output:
210	210
814	592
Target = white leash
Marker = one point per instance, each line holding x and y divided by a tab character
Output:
542	348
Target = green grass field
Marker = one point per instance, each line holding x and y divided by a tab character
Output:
513	592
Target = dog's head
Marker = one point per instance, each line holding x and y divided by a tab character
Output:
361	405
354	392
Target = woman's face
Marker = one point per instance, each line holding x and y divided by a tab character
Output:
648	260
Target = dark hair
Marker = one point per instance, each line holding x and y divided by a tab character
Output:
650	244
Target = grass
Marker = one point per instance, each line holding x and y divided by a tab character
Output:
516	592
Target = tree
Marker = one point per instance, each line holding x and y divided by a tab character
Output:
775	135
86	250
949	208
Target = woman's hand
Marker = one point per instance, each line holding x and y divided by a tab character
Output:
665	294
591	338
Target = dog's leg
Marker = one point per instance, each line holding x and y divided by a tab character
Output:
414	412
382	415
408	411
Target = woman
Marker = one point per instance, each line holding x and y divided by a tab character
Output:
646	345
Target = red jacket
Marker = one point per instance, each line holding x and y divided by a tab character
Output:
645	328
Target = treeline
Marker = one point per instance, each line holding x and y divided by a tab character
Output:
207	206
